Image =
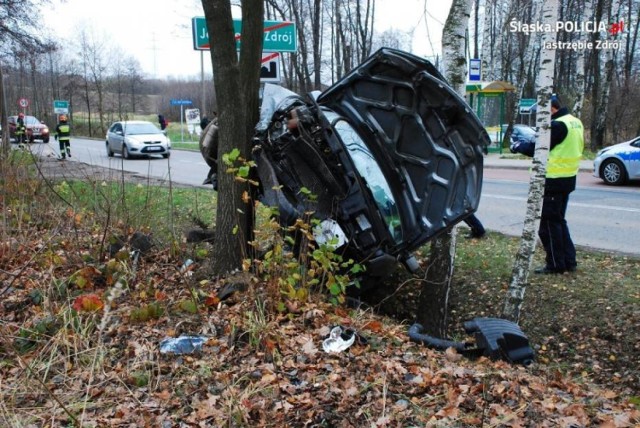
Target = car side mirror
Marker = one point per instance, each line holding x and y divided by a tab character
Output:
118	132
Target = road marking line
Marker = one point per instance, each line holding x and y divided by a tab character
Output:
573	204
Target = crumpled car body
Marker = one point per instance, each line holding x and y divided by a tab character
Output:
387	158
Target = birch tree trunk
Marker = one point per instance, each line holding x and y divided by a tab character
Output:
487	41
6	146
434	298
581	81
544	89
602	103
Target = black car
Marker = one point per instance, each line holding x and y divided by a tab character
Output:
521	133
392	153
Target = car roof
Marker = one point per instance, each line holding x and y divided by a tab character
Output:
132	122
26	116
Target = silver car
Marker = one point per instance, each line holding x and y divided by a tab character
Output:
137	138
618	163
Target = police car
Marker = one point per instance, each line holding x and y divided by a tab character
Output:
618	163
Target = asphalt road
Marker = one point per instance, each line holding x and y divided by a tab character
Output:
599	216
183	166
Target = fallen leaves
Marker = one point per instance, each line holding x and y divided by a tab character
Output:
88	303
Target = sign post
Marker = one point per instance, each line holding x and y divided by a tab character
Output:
23	103
181	103
270	67
279	36
475	67
61	107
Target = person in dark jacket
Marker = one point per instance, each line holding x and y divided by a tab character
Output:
567	144
63	136
163	122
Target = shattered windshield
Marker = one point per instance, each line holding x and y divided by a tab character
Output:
370	171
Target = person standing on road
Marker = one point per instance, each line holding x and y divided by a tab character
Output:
63	136
21	130
567	144
163	122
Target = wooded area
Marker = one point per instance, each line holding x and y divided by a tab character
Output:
101	81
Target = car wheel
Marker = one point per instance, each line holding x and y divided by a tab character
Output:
166	155
45	140
613	172
125	152
109	151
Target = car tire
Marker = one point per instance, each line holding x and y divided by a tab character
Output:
45	140
612	172
125	152
109	151
166	155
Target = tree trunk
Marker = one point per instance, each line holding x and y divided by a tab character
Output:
544	89
237	84
602	97
4	137
487	42
433	309
580	80
434	298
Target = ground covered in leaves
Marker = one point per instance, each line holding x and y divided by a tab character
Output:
83	317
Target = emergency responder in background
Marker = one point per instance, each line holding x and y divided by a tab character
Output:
567	144
63	136
21	130
163	122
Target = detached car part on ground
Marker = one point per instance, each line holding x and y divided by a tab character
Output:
391	153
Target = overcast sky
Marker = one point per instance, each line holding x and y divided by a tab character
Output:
158	32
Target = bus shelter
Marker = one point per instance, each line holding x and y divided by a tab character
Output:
488	99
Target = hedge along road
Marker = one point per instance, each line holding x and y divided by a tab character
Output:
599	216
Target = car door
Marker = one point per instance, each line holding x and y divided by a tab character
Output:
633	161
116	137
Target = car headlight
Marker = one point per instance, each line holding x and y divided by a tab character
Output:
601	152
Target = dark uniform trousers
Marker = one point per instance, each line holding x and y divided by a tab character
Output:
554	233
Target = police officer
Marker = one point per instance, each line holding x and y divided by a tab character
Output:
567	144
63	136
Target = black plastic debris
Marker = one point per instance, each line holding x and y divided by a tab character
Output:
495	338
501	339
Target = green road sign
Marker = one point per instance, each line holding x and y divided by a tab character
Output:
279	36
526	104
61	107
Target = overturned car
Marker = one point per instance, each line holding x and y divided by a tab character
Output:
392	154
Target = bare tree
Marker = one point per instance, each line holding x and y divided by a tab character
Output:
544	86
237	83
18	36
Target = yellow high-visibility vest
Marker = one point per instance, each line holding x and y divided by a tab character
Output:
564	159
